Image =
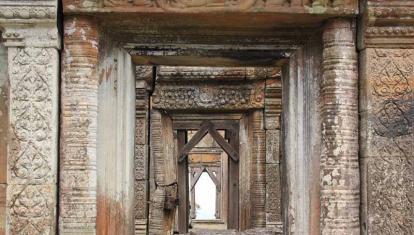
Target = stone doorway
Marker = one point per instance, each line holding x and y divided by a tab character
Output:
228	105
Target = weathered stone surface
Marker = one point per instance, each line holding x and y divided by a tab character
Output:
273	103
32	155
204	96
181	6
198	73
272	146
4	128
31	209
258	191
33	115
143	75
273	196
79	124
339	160
387	140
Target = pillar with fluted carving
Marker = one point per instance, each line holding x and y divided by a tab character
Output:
79	113
339	158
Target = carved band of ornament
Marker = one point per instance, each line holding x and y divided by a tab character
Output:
210	97
27	12
390	31
215	73
227	5
392	12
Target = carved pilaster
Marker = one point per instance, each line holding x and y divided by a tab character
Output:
32	157
386	107
387	137
141	148
273	108
258	193
339	114
30	35
78	128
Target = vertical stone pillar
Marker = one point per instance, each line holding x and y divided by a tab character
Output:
339	114
386	46
258	193
143	75
273	105
32	73
78	175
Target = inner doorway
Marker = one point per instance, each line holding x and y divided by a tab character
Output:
238	109
219	168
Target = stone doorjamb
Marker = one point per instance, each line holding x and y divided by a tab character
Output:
30	34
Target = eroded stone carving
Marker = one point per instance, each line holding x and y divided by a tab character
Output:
390	82
258	191
339	160
31	74
78	186
227	5
33	146
204	96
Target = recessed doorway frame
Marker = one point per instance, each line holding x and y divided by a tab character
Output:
231	128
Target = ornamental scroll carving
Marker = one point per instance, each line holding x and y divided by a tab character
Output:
31	155
390	141
207	96
236	5
31	113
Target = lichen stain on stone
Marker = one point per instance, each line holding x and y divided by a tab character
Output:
105	74
70	28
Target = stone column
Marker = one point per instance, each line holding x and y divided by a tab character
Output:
258	193
33	60
79	101
387	116
339	114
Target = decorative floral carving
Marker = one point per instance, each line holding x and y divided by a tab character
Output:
390	136
203	96
28	12
31	115
30	210
31	155
392	92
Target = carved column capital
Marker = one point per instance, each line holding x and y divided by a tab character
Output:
23	35
387	24
29	23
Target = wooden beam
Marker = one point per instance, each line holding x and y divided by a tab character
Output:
194	141
233	186
183	207
234	155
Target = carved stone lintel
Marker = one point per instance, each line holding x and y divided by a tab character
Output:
339	160
28	11
286	6
387	24
188	73
200	96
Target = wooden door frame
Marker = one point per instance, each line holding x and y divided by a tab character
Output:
231	128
